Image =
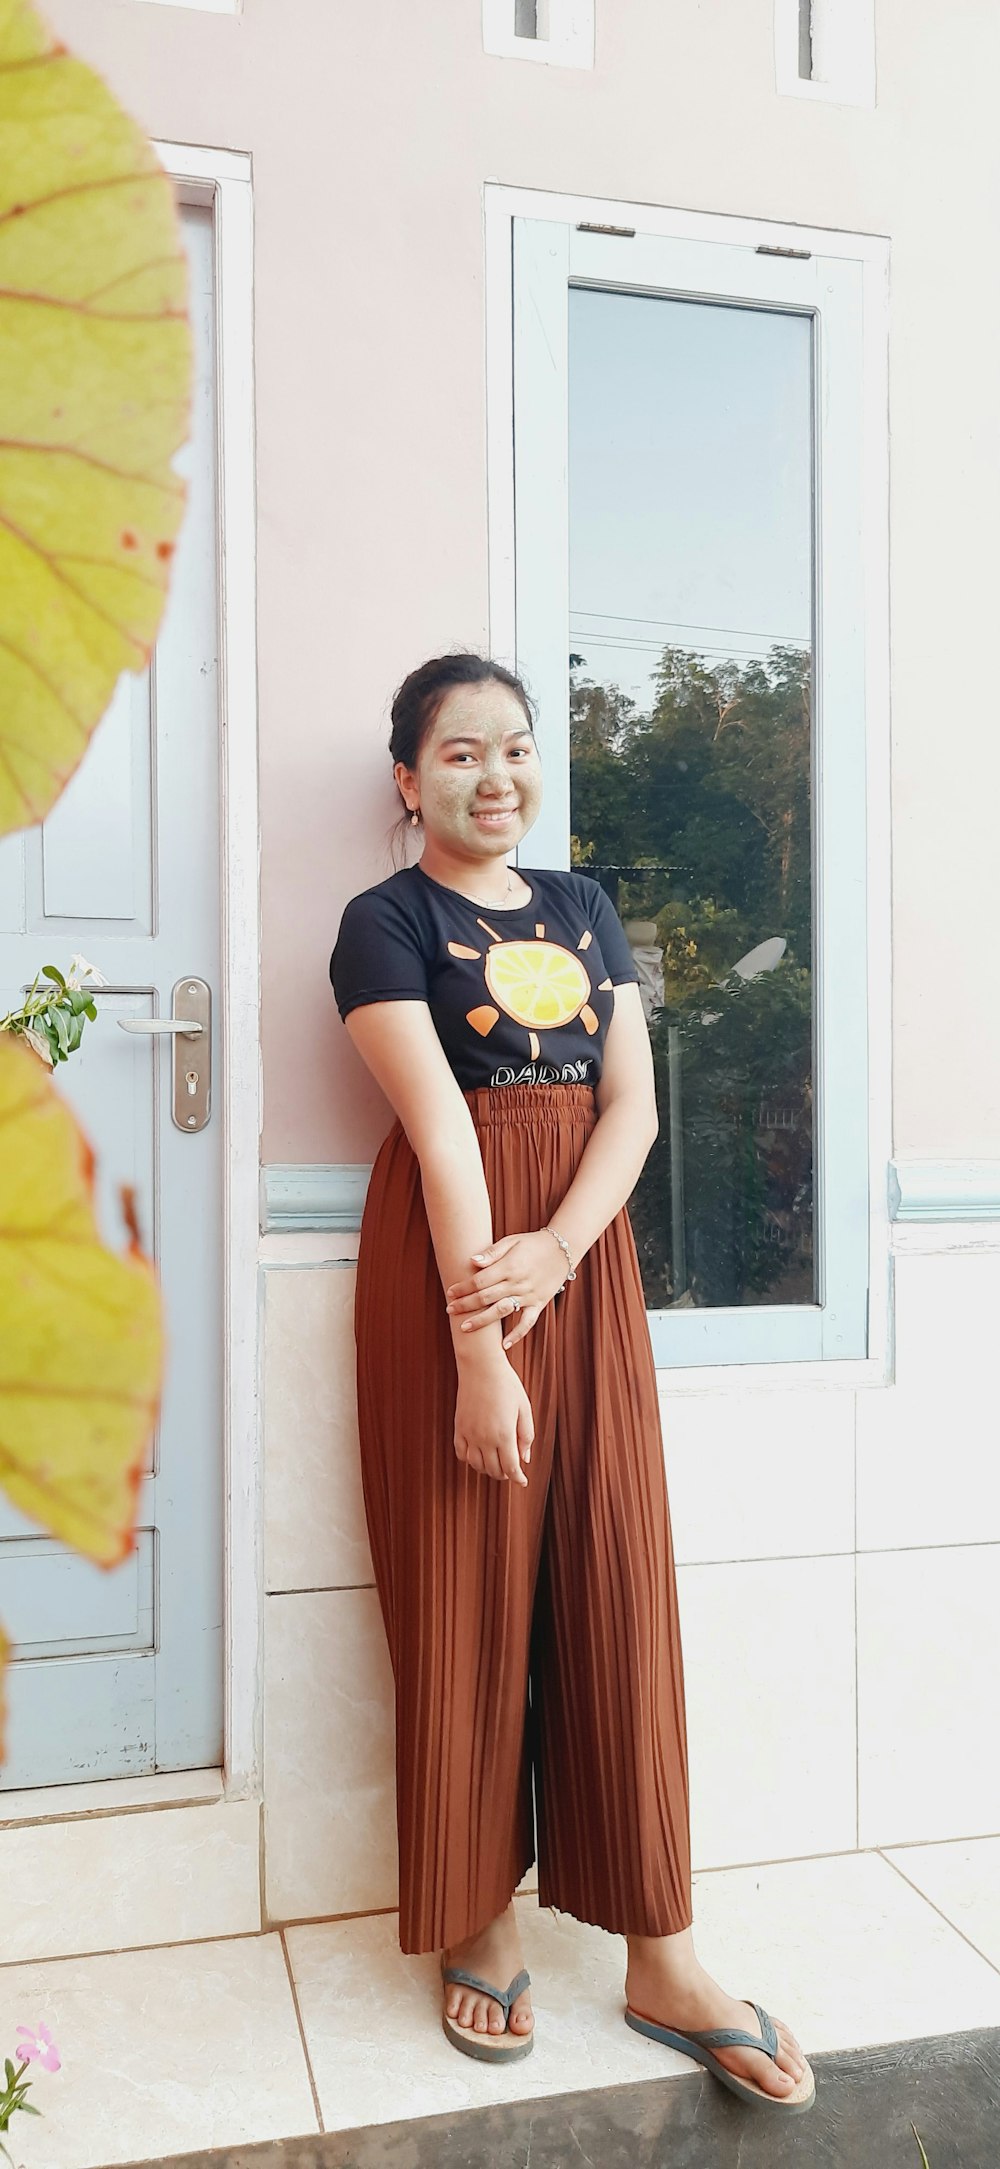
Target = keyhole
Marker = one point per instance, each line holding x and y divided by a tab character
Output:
191	1080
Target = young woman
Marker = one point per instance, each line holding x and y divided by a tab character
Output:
510	1440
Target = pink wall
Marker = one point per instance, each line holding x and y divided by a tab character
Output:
373	124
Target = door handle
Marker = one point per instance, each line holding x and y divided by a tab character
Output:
160	1024
191	1100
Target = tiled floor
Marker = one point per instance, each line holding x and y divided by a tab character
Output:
327	2027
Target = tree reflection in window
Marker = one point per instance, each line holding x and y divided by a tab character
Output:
696	815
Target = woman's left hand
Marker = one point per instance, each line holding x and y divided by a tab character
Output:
532	1267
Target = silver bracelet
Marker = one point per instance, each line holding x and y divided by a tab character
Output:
563	1245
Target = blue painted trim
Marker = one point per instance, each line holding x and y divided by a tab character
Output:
944	1189
760	1333
325	1199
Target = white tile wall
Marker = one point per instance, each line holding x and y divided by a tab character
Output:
769	1674
329	1783
760	1475
929	1446
769	1666
761	1484
314	1527
929	1692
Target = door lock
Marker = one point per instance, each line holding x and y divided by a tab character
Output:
190	1028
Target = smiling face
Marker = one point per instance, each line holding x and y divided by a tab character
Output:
478	778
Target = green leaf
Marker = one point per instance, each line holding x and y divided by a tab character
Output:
8	2071
96	362
51	972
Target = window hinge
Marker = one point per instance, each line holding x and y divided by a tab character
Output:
763	249
627	232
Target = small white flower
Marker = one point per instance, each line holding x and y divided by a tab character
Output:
80	970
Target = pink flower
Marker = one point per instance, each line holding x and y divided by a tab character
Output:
38	2043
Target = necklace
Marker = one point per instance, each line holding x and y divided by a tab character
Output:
489	903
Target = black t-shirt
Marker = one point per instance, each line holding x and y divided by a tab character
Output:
521	996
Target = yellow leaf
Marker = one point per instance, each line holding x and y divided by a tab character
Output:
81	1340
95	362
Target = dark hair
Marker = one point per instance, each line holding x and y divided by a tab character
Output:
416	703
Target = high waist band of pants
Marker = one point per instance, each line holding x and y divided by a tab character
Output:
538	1106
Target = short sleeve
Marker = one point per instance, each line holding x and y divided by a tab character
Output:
377	957
615	950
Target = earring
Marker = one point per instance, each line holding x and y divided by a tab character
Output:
414	817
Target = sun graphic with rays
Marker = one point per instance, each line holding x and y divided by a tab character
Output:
538	983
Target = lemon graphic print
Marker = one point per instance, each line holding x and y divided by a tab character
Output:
539	983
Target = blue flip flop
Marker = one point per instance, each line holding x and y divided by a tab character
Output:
489	2048
700	2047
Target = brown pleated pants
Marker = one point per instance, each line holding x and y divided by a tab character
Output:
531	1631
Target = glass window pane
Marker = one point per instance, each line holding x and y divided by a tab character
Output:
805	40
691	637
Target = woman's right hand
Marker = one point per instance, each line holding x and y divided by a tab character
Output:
494	1426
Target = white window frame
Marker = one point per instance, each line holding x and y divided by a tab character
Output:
568	41
843	43
223	181
534	251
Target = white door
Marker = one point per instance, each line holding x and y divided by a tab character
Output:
117	1673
